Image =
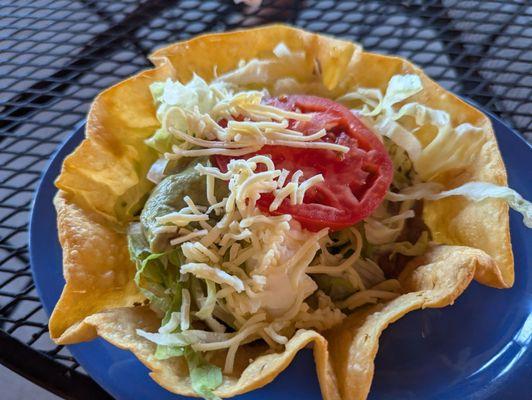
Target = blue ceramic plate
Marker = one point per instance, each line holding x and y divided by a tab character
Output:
480	348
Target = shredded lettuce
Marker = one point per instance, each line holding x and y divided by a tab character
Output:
476	191
163	352
404	174
401	136
161	141
417	191
194	95
337	288
408	249
369	97
204	377
157	170
449	148
158	278
380	111
165	339
385	230
157	274
208	303
400	88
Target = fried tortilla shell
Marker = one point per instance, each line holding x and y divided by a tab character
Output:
103	184
434	280
97	270
107	172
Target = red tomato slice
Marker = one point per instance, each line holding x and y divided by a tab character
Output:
355	182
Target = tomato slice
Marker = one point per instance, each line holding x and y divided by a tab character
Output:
354	182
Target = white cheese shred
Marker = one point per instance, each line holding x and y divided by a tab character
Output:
185	309
204	271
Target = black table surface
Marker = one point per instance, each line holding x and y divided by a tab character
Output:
56	55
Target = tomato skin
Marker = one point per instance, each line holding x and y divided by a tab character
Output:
355	182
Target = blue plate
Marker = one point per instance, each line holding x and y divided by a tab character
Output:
480	348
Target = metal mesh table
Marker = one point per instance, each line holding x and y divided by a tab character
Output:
56	55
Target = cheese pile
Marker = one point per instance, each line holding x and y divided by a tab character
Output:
246	270
252	264
252	271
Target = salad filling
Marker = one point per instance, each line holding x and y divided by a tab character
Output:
272	214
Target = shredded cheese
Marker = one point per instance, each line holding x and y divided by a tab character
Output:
235	339
306	185
337	270
204	271
181	219
185	309
275	336
164	229
187	237
366	296
208	303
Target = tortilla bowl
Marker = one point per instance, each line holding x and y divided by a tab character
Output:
103	184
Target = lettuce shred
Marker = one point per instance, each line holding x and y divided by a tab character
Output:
476	191
194	95
157	277
163	352
407	248
157	274
204	377
391	115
